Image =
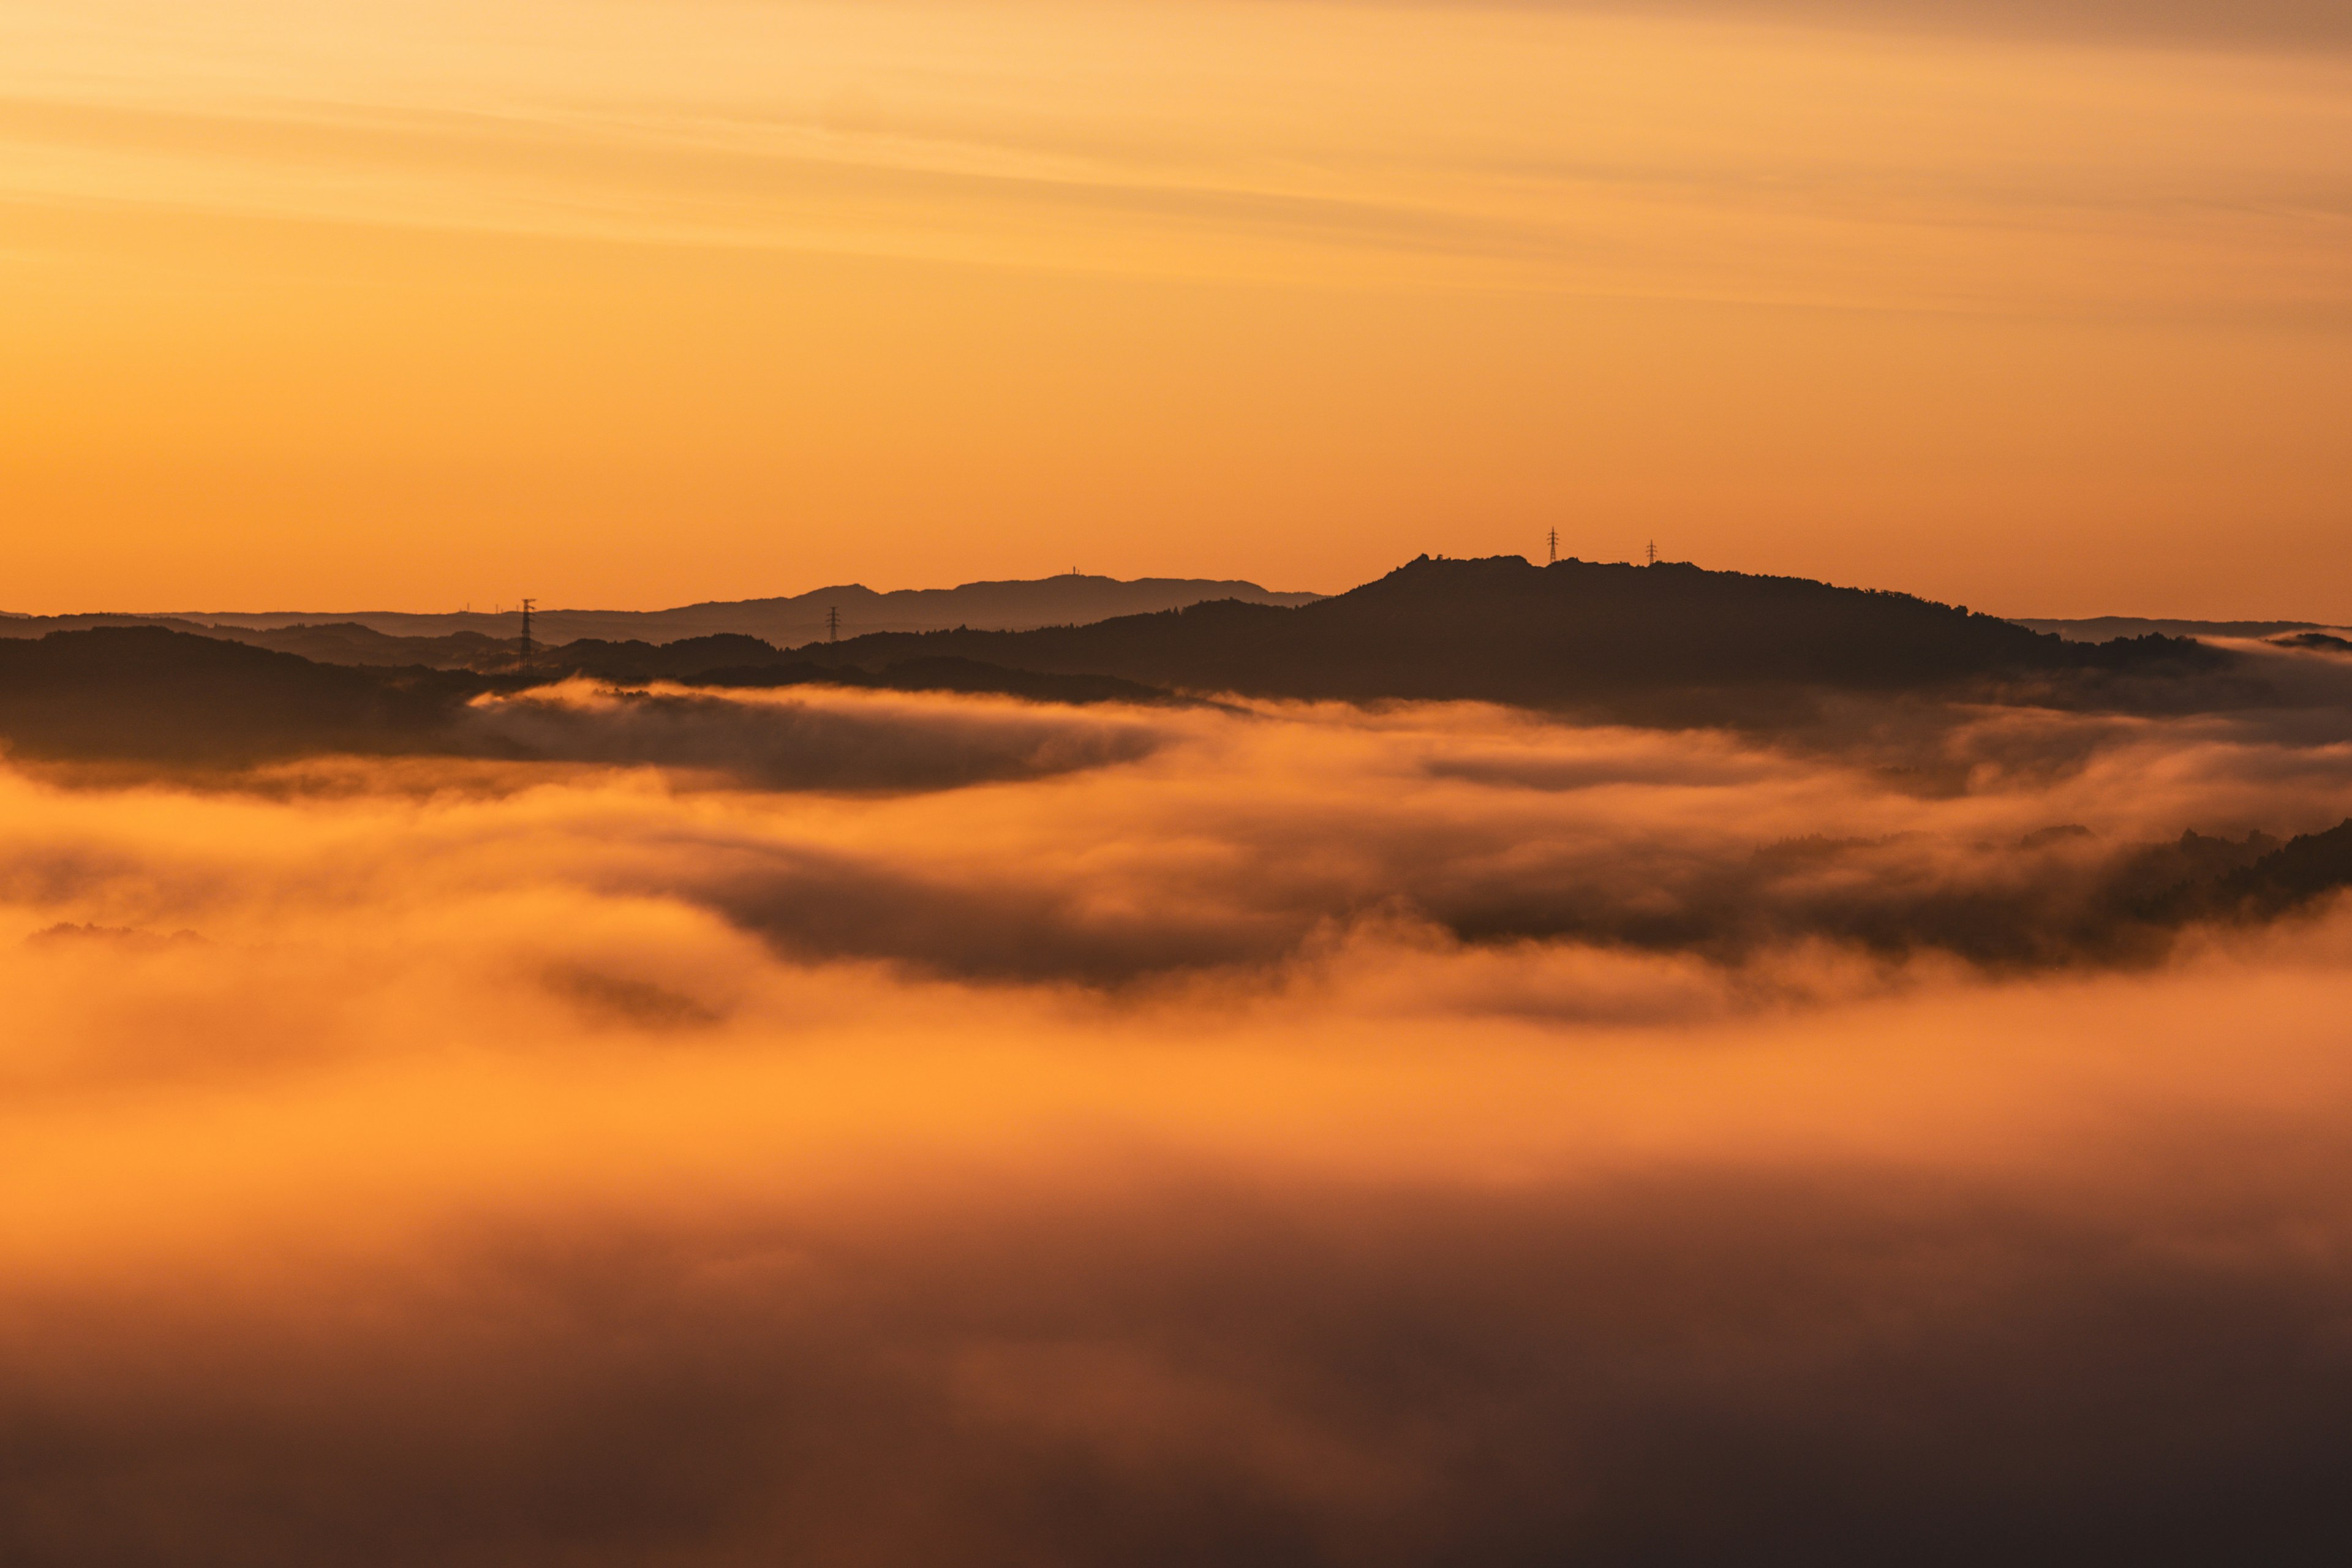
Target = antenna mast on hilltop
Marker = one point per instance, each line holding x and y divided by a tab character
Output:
832	622
527	605
1551	544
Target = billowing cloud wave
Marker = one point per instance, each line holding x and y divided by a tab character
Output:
1260	1135
801	741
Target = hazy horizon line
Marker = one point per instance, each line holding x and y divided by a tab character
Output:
514	610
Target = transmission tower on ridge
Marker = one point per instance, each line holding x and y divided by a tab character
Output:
1552	544
832	623
527	605
1654	552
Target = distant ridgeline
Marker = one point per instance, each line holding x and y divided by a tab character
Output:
1573	633
1669	643
469	638
2106	628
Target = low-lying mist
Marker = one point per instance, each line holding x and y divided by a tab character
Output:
876	1128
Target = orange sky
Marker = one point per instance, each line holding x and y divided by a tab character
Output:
412	303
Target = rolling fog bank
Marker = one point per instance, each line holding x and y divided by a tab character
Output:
843	1126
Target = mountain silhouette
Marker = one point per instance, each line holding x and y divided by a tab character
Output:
411	638
1669	643
1611	636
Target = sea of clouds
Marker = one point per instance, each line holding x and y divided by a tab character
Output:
839	1127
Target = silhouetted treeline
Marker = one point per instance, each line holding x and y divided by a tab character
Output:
2319	641
2303	869
2062	901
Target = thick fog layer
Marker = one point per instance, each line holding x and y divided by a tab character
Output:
871	1129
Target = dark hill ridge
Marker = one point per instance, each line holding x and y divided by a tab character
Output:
2304	869
152	695
335	642
2106	628
1571	634
1661	642
148	694
1644	644
409	639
